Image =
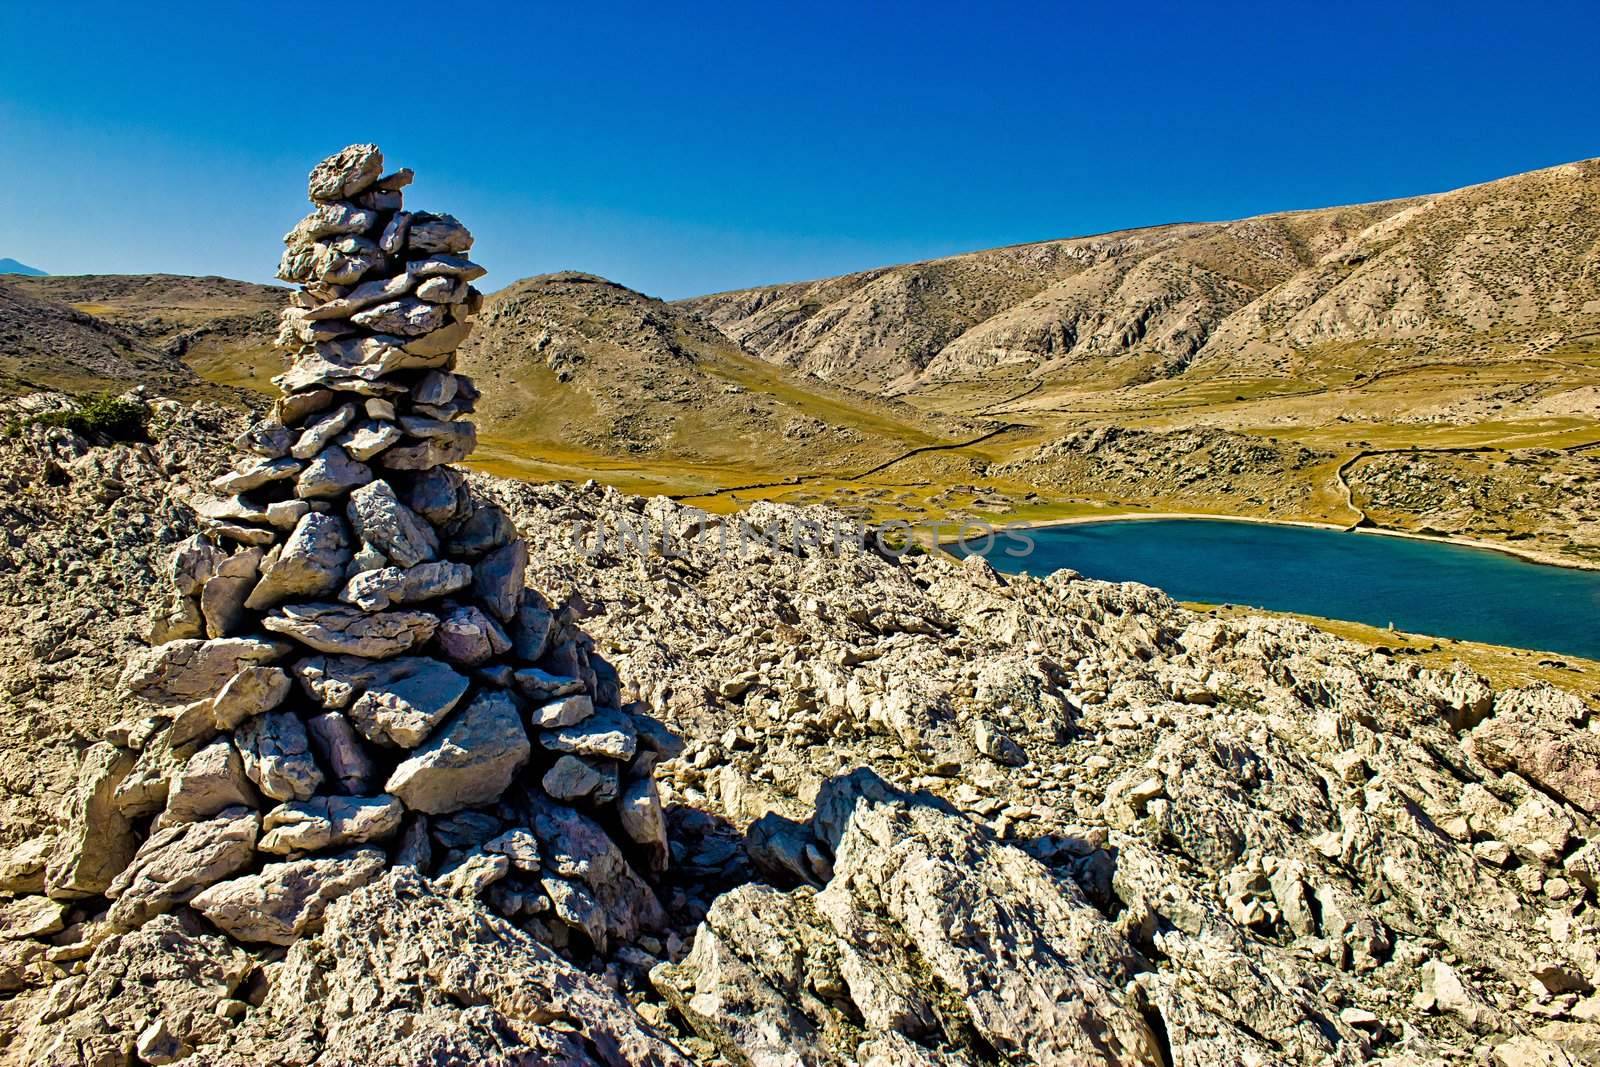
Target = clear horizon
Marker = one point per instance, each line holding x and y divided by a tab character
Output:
740	147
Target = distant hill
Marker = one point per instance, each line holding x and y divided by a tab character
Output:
48	344
1489	268
11	266
573	362
219	327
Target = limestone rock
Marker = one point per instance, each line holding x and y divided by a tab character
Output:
565	712
344	630
277	756
254	473
222	600
475	872
606	732
407	317
379	519
179	672
323	822
166	970
31	917
434	451
285	900
446	266
497	579
367	439
378	589
400	707
178	861
469	637
430	233
472	987
469	760
1543	746
210	781
639	810
249	693
320	431
330	474
97	841
339	749
541	685
331	218
575	847
345	173
573	778
1019	960
439	494
22	866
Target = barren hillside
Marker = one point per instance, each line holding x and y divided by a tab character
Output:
1507	262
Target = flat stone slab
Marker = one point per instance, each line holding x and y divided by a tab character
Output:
285	900
608	732
344	630
323	822
177	862
181	672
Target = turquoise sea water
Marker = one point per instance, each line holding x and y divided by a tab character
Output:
1425	587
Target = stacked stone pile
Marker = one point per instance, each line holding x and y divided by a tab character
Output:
350	672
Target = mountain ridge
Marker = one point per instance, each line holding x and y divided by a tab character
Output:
976	310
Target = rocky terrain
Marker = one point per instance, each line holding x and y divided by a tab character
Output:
922	813
1485	494
322	751
1210	470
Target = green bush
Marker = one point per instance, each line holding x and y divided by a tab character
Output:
101	419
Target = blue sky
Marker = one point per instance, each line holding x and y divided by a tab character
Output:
683	149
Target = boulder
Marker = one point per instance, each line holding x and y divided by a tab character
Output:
557	714
469	637
222	600
497	579
320	431
277	756
209	781
331	473
249	693
285	900
537	684
606	732
345	173
323	822
256	472
407	317
98	840
379	519
178	861
369	438
439	495
573	778
384	587
180	672
401	707
469	760
575	848
339	749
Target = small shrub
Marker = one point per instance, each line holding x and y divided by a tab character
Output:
101	419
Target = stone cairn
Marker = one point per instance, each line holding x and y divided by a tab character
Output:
351	671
